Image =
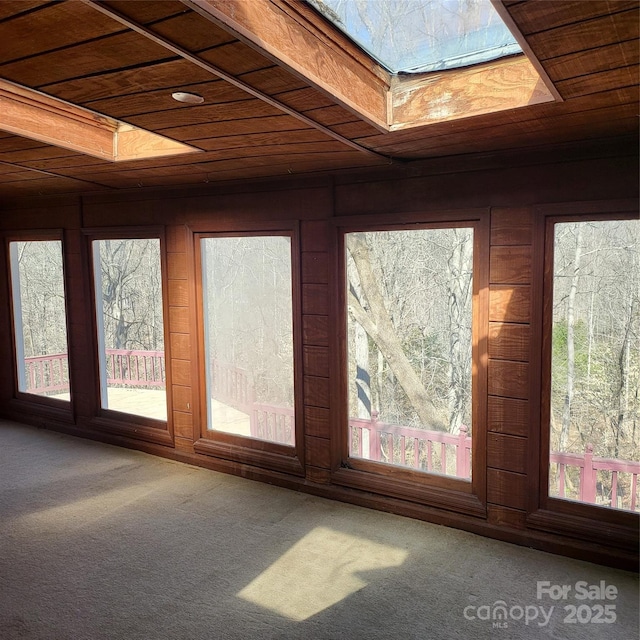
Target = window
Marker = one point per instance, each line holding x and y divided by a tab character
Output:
409	344
594	413
130	328
423	35
248	333
39	317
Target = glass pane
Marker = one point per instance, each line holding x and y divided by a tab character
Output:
128	285
410	299
415	36
248	312
595	366
40	318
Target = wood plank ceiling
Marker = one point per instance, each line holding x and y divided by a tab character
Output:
74	52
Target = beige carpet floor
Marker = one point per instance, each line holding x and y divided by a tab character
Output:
98	542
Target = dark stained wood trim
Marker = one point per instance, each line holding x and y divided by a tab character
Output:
298	343
317	422
592	528
315	330
480	356
136	427
6	320
338	346
267	458
408	489
59	409
510	264
509	379
563	13
507	452
544	512
433	219
391	479
105	419
317	452
585	34
511	226
184	242
41	413
231	446
23	7
537	476
506	488
626	208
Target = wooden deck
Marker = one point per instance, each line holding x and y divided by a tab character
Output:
151	403
230	420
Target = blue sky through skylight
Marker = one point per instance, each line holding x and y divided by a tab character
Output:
413	36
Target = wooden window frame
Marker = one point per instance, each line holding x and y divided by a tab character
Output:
111	420
237	448
42	405
429	489
589	522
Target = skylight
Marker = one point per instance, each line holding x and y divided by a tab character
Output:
417	36
31	114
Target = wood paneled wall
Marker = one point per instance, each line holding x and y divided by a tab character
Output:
511	194
315	338
181	336
509	340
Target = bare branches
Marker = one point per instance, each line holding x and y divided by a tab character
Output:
411	292
596	337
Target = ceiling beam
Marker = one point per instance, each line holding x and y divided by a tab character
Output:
30	114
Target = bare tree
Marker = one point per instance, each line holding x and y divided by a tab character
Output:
568	399
412	294
131	293
596	337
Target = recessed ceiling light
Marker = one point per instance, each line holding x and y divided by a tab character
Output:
188	98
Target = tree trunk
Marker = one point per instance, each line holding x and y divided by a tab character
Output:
617	422
459	300
377	323
571	358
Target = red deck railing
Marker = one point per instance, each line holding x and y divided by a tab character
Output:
435	451
273	423
48	374
233	386
45	374
590	488
441	452
135	368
